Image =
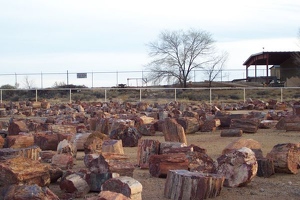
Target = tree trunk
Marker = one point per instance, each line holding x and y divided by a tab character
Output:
183	184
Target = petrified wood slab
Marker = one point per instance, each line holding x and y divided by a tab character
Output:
129	135
165	147
79	139
286	158
125	185
239	167
189	124
63	161
173	132
49	140
159	165
105	195
146	148
20	170
95	180
183	184
27	192
17	126
247	125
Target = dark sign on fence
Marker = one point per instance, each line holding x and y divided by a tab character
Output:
81	75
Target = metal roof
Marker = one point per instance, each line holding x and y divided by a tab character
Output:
269	57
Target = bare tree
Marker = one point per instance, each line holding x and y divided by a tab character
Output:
28	84
214	69
175	54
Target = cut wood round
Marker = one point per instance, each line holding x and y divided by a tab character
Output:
239	167
231	133
146	148
183	184
286	158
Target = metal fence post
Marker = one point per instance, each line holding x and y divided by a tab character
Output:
210	96
244	95
70	96
36	95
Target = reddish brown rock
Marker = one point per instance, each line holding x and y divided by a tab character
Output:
93	143
49	140
247	125
173	132
189	124
19	141
46	156
210	125
109	195
159	165
17	126
129	135
27	192
20	170
146	148
239	167
63	161
31	152
127	186
286	158
74	183
231	133
112	146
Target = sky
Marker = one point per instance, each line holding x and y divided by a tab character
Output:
53	40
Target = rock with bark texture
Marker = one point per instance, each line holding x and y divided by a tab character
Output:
173	132
95	180
79	139
20	170
189	124
286	158
183	184
63	161
166	147
265	167
27	192
159	165
19	141
74	183
29	152
109	195
46	156
210	125
146	148
125	185
93	143
17	126
231	133
239	167
247	125
49	140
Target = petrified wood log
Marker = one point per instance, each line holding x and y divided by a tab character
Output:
112	146
247	125
165	147
238	143
189	124
17	126
210	125
20	170
27	192
63	161
2	142
125	185
173	132
46	156
49	141
231	133
93	143
183	184
268	124
29	152
159	165
66	147
19	141
62	128
265	167
286	158
74	183
129	135
239	167
109	162
79	139
146	148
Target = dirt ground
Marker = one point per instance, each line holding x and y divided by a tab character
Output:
279	186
